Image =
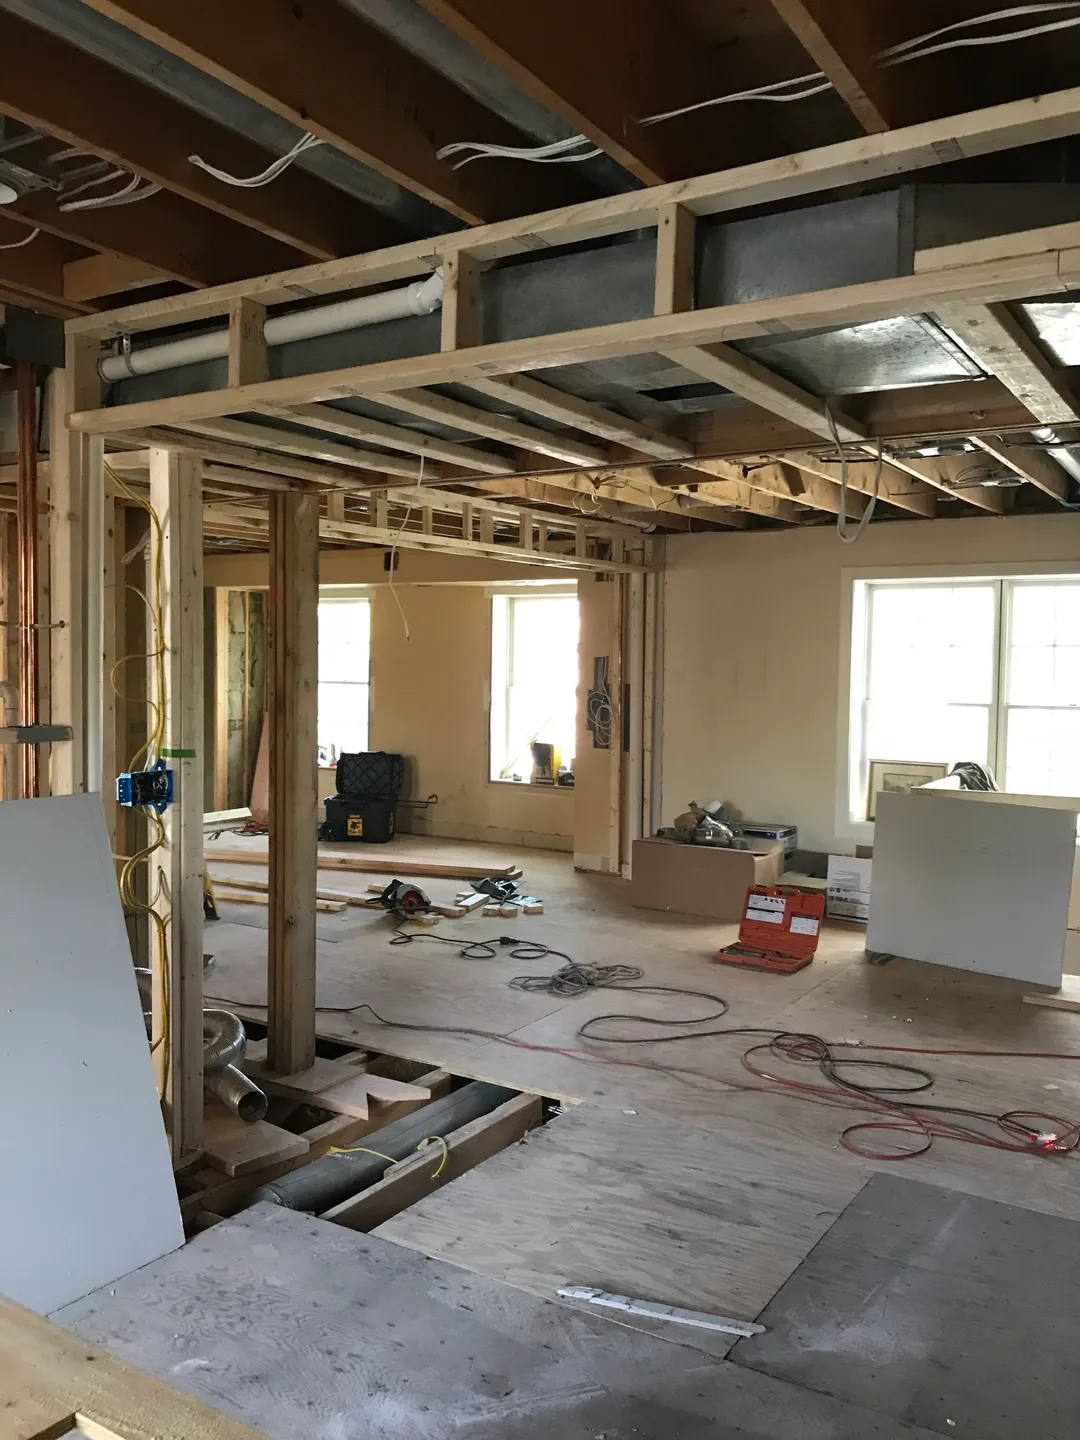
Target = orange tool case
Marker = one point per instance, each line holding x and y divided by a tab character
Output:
779	929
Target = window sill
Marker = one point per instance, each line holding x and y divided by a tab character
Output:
528	785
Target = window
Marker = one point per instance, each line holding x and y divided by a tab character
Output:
344	676
985	670
533	679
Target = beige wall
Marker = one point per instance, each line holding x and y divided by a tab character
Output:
430	698
753	649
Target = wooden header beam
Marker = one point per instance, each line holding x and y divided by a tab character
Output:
874	157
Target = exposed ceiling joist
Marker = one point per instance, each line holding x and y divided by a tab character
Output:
746	377
638	486
96	275
843	36
901	490
1001	345
318	474
427	405
54	87
543	492
605	66
525	393
787	482
327	72
33	274
949	474
1030	463
271	438
395	437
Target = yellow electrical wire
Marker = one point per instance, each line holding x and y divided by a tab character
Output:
159	914
427	1140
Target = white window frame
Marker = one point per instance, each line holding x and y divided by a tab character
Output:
854	643
499	709
343	594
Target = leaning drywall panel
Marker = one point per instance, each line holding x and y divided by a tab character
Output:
88	1192
977	887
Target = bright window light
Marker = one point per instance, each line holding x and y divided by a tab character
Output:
534	676
344	677
984	670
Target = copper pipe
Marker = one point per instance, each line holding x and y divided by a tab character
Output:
27	510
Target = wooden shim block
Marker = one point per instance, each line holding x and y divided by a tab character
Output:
232	1145
451	912
412	1179
385	1090
490	911
344	1130
509	912
1067	998
376	865
536	909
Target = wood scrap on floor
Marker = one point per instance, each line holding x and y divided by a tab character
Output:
328	907
236	1147
262	887
332	1085
1067	998
379	865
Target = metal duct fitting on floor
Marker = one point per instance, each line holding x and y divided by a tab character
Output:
224	1039
325	1182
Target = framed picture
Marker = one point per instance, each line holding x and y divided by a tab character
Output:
891	775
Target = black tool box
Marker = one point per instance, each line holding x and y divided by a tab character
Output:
371	775
371	821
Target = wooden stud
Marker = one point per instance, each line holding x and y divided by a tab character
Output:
461	301
293	718
249	361
177	867
221	698
675	260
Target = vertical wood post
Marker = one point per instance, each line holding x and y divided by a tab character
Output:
177	868
221	698
293	641
674	260
9	646
248	360
461	301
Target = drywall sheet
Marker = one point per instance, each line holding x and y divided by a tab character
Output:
978	887
87	1192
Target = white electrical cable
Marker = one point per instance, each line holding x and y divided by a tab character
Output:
18	244
307	141
127	195
782	91
393	548
849	537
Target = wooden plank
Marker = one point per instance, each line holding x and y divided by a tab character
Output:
84	101
293	715
351	85
1001	345
328	907
907	493
268	439
943	473
869	158
237	1147
1031	464
745	376
93	276
461	301
1057	272
411	1179
377	865
675	259
221	701
395	437
444	411
528	394
53	1382
844	38
249	360
1067	998
176	870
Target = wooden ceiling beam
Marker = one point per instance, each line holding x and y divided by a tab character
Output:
430	406
326	71
55	87
946	473
901	490
96	275
1030	463
605	66
1001	345
542	492
33	274
786	482
843	37
271	439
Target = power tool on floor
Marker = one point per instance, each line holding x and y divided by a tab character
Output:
404	899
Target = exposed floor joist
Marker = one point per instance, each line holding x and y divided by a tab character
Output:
444	411
96	275
843	36
604	67
948	474
394	437
787	482
901	490
327	72
1030	463
35	272
288	442
1001	345
65	92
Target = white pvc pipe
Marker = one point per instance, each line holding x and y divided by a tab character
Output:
419	298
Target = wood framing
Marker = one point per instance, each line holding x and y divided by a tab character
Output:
293	638
1001	345
329	73
176	692
53	1382
843	36
1030	463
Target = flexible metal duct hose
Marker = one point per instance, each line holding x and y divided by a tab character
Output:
325	1182
233	1088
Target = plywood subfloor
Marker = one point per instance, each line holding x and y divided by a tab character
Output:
304	1329
698	1186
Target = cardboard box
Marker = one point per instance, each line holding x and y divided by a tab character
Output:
787	835
848	893
700	879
